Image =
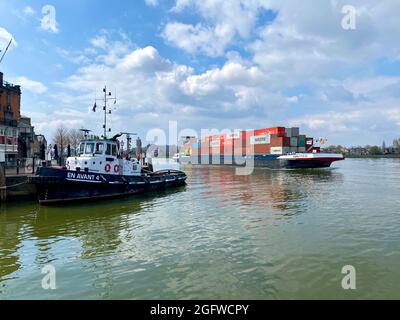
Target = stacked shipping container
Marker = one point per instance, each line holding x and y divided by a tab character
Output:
276	140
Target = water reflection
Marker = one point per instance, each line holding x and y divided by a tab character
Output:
95	227
9	243
217	233
286	192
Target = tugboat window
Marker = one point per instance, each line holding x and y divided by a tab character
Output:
99	148
114	150
108	151
81	148
89	148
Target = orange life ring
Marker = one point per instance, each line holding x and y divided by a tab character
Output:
116	168
107	167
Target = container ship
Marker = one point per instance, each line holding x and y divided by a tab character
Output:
275	148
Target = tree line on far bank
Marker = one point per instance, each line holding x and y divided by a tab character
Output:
367	150
66	139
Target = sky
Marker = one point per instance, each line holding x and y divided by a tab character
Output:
224	64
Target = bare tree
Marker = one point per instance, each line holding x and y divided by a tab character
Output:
75	137
62	139
396	144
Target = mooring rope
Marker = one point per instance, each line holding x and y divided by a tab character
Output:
14	185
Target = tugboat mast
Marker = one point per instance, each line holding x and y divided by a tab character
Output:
107	97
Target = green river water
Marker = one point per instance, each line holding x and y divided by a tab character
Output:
272	235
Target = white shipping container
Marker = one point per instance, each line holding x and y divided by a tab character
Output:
276	150
294	141
280	150
233	135
263	139
215	144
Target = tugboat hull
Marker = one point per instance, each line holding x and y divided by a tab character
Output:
56	186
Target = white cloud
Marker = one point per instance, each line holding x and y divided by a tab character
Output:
232	74
306	42
331	121
100	41
374	87
28	11
224	22
5	38
310	44
194	39
152	3
30	85
75	57
394	115
146	59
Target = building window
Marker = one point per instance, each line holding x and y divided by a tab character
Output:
8	100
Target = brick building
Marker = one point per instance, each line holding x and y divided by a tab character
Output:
10	106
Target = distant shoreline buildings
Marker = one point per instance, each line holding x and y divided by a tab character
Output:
367	150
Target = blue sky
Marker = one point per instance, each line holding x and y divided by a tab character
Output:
209	64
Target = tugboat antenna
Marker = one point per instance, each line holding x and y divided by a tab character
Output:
107	97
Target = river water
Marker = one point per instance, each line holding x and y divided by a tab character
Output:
272	235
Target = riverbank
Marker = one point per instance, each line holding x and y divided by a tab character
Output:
18	188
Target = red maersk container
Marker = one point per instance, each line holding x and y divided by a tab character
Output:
280	142
278	131
262	149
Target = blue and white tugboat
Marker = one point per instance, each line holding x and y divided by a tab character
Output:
99	171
